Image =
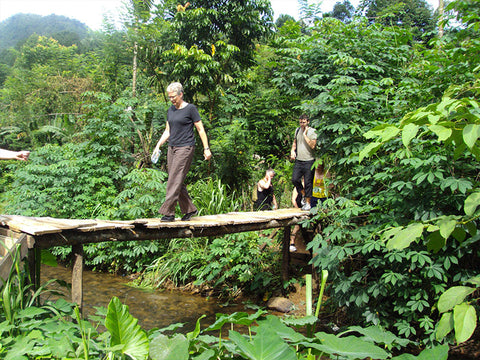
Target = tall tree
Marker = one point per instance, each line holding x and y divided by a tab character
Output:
204	44
141	13
342	11
282	19
241	23
414	14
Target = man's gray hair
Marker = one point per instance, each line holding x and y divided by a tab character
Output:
175	87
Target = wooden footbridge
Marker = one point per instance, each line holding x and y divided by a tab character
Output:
31	234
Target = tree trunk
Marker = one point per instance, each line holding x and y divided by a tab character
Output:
441	6
134	78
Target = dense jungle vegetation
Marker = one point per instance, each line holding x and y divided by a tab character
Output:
393	91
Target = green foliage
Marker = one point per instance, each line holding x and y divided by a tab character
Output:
244	266
144	192
233	156
49	331
177	264
401	143
34	101
17	292
242	24
212	197
66	181
215	264
458	315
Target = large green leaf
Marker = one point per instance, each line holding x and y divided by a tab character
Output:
281	329
389	133
405	237
471	133
350	347
21	347
464	321
442	132
471	203
385	131
368	150
61	347
444	326
164	348
475	280
206	355
408	133
453	296
446	225
193	334
435	241
125	331
436	353
377	335
266	345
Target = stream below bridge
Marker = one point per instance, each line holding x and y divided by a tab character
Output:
152	308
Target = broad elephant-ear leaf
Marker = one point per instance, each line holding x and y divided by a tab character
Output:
125	331
266	345
164	348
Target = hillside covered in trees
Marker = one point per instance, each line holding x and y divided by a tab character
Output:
20	27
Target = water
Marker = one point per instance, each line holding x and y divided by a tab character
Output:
153	309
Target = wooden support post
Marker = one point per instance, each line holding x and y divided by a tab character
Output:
286	254
34	259
32	267
77	276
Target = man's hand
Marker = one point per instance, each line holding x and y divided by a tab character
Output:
293	155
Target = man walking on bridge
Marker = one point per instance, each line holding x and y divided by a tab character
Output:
302	152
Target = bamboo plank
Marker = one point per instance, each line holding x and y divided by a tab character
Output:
134	222
65	224
197	221
29	225
232	218
107	225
